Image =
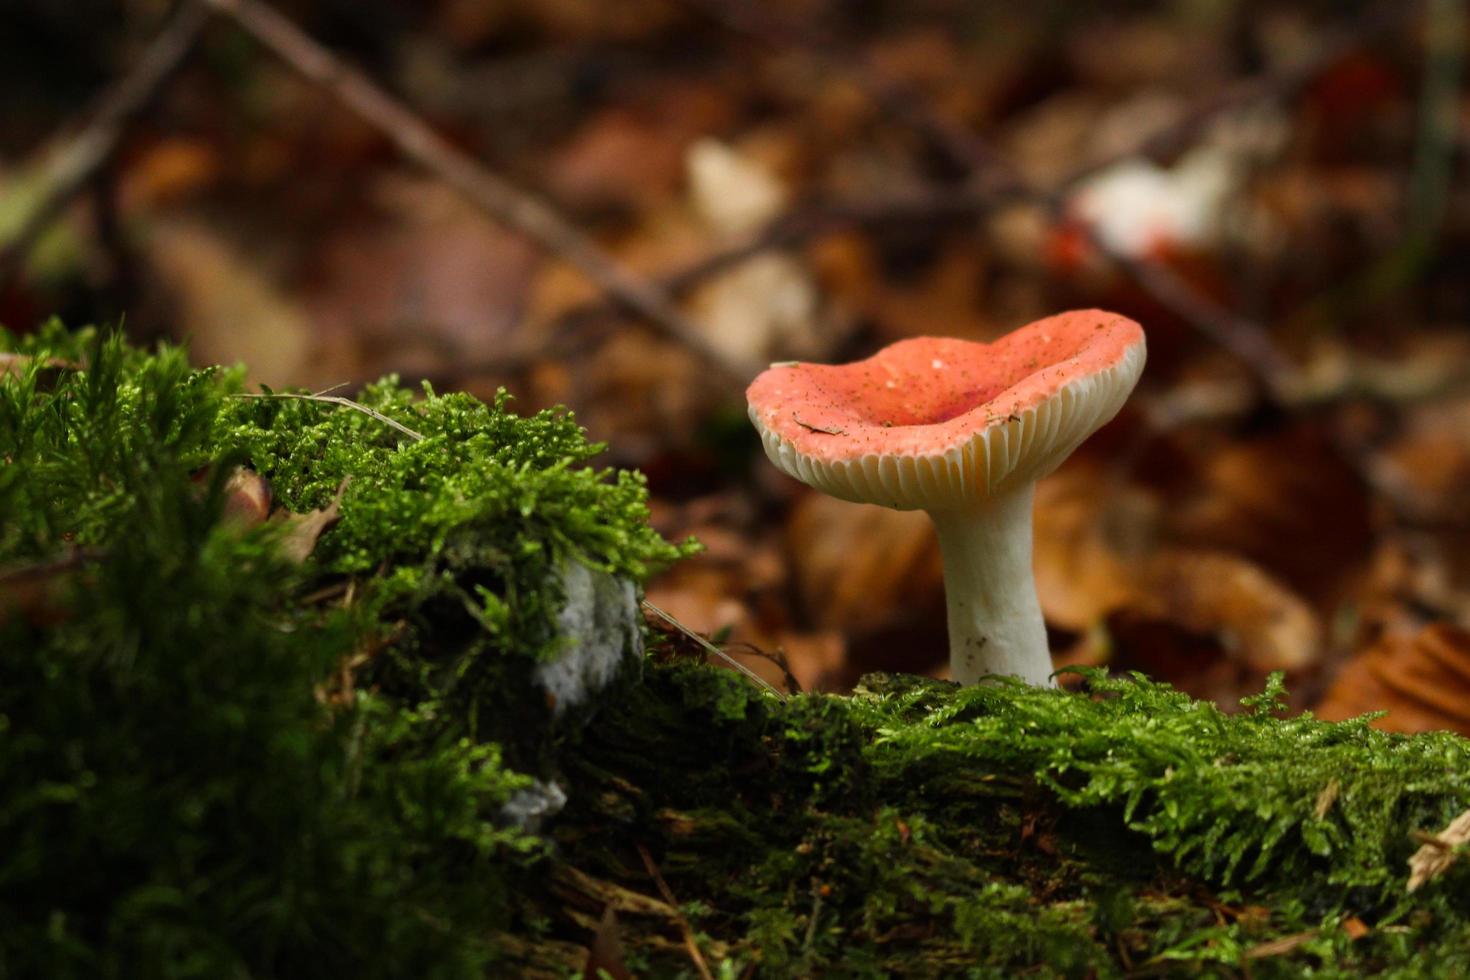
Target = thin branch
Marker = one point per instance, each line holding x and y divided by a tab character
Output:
80	158
491	193
712	649
1247	340
668	896
821	218
336	400
792	229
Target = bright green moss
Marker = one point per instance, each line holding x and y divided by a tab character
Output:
454	540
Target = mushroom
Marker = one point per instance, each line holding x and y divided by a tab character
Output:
963	431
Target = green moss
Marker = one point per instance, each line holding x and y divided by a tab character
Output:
180	799
218	762
920	829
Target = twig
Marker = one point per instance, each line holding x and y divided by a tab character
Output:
336	400
776	657
816	913
810	221
497	197
711	648
1282	946
1246	339
80	158
824	217
663	889
817	428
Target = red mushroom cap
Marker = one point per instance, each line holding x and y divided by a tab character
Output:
936	422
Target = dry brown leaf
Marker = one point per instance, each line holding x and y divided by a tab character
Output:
1147	54
301	531
1259	620
247	498
858	568
605	954
426	281
1438	852
38	593
618	158
233	309
643	392
1089	535
949	292
815	658
1287	501
1421	680
171	172
1414	577
1426	469
15	364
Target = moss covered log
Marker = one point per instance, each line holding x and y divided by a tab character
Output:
220	758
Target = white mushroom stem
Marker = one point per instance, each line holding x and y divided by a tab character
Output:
995	624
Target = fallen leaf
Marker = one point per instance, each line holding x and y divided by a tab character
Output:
859	568
618	159
1438	852
1286	501
1421	680
38	593
233	309
301	531
1260	621
1425	469
173	171
247	498
1087	540
605	954
423	282
14	365
1414	577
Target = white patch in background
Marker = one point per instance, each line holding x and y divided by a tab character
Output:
733	193
599	624
767	307
1138	207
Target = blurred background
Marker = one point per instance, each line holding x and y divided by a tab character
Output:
630	208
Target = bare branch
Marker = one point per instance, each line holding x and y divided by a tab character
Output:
712	649
337	400
691	945
491	193
80	158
